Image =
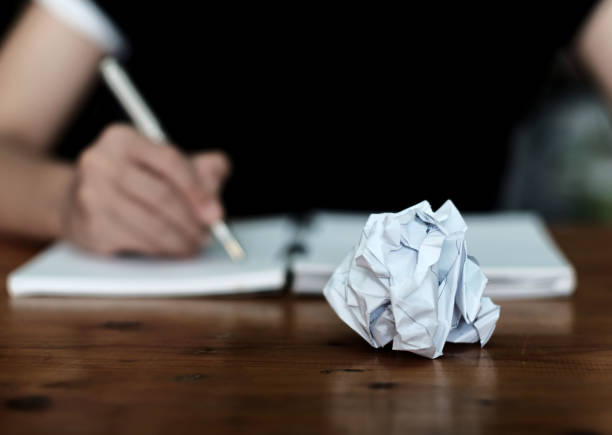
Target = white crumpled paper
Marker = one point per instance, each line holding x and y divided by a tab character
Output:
410	280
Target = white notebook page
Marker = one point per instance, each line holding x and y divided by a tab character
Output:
65	270
514	249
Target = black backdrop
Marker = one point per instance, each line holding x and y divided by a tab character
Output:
348	108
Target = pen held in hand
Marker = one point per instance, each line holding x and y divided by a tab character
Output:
145	121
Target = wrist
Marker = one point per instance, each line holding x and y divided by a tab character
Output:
57	181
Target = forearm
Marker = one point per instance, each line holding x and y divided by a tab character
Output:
46	67
33	191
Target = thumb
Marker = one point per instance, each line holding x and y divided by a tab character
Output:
212	169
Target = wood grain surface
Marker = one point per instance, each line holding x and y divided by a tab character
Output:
277	363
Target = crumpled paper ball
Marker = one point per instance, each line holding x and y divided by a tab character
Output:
410	279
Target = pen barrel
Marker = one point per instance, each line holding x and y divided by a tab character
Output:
131	100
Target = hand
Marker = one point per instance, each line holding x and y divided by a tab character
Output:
212	170
132	195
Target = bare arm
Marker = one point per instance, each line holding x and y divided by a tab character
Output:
125	193
45	69
594	46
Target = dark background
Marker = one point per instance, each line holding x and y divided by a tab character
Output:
364	108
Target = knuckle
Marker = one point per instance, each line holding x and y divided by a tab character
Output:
116	132
94	162
172	152
88	160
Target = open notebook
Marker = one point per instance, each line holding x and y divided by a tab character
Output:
64	270
514	249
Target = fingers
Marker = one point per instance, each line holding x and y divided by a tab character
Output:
131	194
158	234
101	235
170	164
212	169
212	211
160	199
197	180
198	185
109	222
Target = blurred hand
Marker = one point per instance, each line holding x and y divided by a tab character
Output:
132	195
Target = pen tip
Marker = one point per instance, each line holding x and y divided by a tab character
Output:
230	244
234	250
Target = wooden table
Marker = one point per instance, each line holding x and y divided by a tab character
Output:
280	364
